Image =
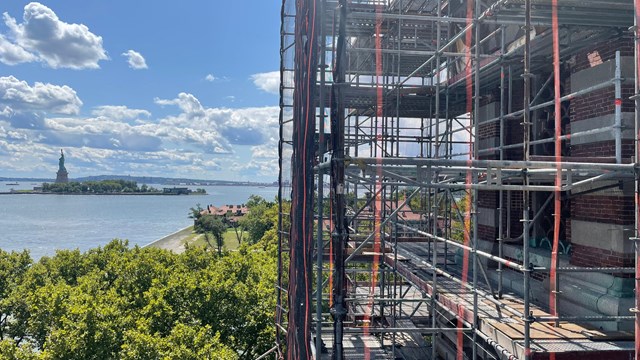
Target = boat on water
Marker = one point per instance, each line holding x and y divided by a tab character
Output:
12	184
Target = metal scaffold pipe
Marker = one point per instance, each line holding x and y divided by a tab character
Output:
507	263
525	194
458	36
636	239
504	164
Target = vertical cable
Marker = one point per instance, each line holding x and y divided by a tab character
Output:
301	233
434	285
468	179
474	210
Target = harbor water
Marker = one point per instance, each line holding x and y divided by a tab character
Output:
44	223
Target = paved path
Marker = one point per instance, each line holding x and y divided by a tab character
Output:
173	242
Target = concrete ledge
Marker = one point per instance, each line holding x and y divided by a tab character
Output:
488	112
610	237
488	143
600	122
601	73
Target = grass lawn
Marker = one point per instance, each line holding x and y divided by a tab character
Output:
230	240
189	239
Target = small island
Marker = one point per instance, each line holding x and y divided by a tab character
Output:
111	187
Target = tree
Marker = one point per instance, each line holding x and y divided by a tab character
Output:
257	221
195	213
216	227
239	231
188	342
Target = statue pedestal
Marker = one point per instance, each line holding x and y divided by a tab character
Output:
62	176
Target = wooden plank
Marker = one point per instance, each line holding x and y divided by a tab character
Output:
598	335
538	331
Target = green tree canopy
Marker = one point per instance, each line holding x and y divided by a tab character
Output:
117	302
262	216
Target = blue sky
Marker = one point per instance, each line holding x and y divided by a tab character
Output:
155	88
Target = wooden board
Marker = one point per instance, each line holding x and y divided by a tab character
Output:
598	335
539	331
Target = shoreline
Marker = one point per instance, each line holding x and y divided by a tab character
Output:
173	242
100	194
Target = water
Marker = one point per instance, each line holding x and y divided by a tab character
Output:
44	223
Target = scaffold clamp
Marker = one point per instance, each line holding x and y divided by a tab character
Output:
530	318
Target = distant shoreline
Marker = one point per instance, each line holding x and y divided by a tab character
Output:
28	192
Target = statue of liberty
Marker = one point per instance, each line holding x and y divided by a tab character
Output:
62	176
61	162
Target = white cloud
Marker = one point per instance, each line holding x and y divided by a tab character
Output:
268	82
57	43
135	59
20	96
210	78
6	112
12	54
197	141
189	104
247	126
266	151
120	112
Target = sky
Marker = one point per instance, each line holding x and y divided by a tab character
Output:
142	88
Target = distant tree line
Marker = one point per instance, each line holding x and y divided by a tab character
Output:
137	303
98	187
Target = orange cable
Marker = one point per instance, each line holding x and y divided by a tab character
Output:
468	181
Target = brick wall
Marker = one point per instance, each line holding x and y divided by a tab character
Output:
603	149
605	51
589	256
488	199
489	130
487	232
604	209
601	102
608	209
612	209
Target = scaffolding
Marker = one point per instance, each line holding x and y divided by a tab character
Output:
450	166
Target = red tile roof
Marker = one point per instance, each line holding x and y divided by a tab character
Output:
224	210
